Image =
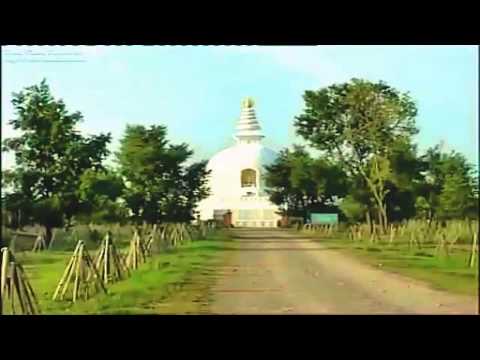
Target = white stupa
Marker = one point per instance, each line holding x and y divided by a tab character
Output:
236	179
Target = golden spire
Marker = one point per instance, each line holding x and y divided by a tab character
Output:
248	103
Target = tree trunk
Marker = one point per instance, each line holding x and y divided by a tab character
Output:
382	214
48	235
385	218
380	219
369	222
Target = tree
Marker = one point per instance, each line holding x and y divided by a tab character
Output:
159	186
194	184
405	178
456	198
449	187
353	209
99	195
357	122
300	184
50	155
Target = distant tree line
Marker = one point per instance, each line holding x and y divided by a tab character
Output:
60	176
369	168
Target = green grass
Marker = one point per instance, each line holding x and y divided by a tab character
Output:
153	283
446	273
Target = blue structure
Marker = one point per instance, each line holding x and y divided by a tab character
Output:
323	219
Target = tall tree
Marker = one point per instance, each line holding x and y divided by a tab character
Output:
405	178
159	185
50	155
357	122
450	185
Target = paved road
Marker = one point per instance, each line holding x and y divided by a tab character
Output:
276	272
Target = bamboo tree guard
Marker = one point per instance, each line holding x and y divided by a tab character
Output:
16	293
474	251
39	244
149	243
186	232
453	242
180	234
392	234
163	235
110	266
442	244
330	229
136	253
414	241
82	272
151	239
351	234
359	233
54	233
174	235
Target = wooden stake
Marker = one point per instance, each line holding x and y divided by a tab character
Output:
11	291
77	273
392	234
5	262
32	298
54	233
82	269
66	273
474	250
16	286
15	289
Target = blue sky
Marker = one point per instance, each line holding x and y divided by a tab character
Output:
196	90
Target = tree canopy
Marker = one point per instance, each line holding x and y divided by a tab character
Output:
369	163
357	122
159	184
50	156
298	183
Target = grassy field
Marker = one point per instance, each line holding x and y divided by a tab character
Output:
164	276
443	272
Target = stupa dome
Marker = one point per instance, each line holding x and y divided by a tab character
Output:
227	165
237	175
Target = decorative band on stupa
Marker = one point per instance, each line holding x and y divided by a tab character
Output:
248	127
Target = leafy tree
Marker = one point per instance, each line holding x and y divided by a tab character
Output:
300	184
194	189
405	177
99	195
357	122
353	209
50	155
159	186
449	188
279	188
